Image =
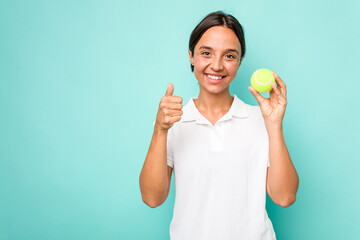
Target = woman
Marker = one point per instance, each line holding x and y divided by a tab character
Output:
219	147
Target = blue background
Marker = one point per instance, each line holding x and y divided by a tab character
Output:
80	84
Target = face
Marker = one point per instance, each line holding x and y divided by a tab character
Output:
216	59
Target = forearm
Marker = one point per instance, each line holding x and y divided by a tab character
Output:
153	176
283	178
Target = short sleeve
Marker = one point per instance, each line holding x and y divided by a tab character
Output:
264	134
268	153
169	146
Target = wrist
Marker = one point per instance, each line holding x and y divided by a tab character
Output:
274	128
159	130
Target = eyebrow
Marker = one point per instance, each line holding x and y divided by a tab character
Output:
229	49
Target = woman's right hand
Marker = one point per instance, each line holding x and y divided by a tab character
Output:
169	110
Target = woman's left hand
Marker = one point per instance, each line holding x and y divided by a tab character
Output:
272	108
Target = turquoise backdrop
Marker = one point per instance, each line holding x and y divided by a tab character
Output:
80	84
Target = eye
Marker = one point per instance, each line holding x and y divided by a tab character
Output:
205	53
231	56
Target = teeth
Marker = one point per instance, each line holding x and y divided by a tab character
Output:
213	77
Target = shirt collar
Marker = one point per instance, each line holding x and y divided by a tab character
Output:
191	113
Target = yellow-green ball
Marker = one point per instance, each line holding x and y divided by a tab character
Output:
262	79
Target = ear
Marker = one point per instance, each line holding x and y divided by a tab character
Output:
191	57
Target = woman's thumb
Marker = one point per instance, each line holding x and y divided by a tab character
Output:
169	90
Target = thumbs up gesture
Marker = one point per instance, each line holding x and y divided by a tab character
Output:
169	110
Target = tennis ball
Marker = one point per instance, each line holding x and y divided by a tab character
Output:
262	79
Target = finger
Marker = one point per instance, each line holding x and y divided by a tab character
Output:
172	99
172	112
280	83
257	95
168	105
171	120
277	92
169	90
273	96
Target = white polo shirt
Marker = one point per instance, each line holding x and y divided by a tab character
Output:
220	175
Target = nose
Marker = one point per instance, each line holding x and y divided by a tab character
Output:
217	64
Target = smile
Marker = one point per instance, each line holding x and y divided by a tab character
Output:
214	77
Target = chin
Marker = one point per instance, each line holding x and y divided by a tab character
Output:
214	89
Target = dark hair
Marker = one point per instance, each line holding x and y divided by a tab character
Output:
218	18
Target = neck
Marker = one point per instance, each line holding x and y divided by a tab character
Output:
214	103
